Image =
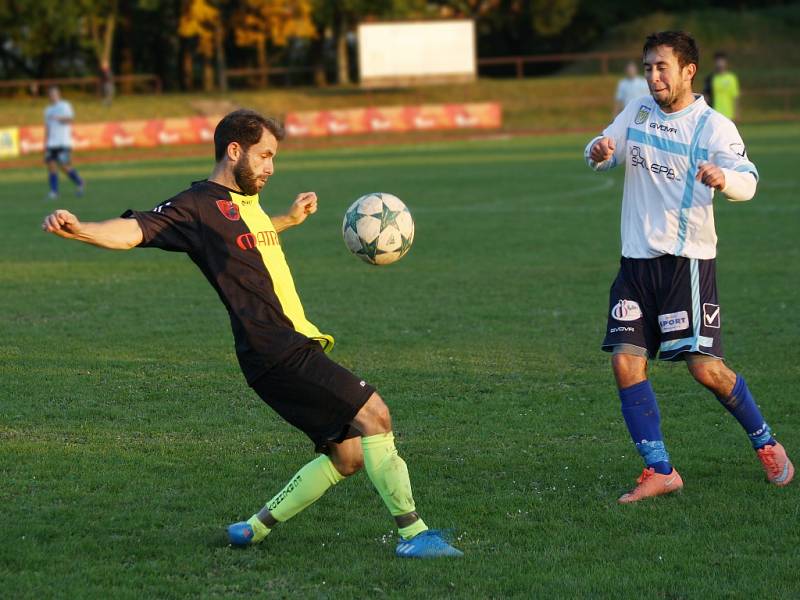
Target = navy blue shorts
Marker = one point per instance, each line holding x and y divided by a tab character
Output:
60	154
666	305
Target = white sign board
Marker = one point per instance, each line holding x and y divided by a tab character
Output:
416	52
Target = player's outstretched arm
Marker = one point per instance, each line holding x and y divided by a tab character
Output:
114	234
305	204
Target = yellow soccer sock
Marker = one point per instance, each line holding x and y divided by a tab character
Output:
389	474
415	528
260	530
307	486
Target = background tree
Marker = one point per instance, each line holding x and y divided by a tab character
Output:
100	21
38	36
200	21
551	17
340	18
258	23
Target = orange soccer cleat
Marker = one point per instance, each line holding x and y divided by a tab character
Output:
779	468
652	484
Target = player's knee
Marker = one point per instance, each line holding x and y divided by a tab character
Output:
628	369
374	416
714	375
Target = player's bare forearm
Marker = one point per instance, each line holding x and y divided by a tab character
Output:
304	205
114	234
283	222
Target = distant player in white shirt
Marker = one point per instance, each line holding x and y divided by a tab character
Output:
630	88
677	151
58	117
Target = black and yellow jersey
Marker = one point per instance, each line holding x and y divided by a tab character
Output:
233	241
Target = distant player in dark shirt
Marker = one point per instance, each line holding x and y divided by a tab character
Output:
220	224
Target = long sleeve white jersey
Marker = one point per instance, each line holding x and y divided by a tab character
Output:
664	209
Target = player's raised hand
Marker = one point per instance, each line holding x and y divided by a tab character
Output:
711	175
603	149
305	204
62	223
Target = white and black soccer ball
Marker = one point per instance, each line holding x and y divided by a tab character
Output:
378	228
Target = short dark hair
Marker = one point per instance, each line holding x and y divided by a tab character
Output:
720	54
245	127
682	44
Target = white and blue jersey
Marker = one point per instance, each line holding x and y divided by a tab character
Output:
59	135
664	209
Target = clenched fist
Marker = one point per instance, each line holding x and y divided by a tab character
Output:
602	150
305	204
63	223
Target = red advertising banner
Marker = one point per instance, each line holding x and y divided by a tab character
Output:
197	130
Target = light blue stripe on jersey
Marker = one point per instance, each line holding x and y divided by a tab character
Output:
688	191
747	168
693	343
666	145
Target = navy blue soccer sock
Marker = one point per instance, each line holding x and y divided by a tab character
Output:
640	410
742	405
76	179
52	179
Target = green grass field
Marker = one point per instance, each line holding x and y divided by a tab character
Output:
128	438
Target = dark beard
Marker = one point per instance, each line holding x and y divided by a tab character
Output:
244	177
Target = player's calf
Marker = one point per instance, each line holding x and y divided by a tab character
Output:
388	472
347	456
306	487
732	392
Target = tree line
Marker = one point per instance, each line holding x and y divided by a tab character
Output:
191	44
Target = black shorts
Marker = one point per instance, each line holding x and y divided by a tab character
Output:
315	394
666	305
60	154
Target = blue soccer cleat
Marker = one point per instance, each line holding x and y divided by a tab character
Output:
240	534
428	544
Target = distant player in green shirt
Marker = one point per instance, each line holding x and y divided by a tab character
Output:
722	88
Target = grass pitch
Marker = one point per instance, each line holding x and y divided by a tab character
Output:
128	438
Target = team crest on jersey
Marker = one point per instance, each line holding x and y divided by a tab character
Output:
626	310
229	210
642	115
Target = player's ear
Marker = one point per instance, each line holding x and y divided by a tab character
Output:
234	151
691	71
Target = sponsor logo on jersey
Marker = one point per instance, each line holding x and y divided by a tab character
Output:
248	241
621	330
229	210
711	316
160	208
626	310
662	128
676	321
642	115
637	160
738	149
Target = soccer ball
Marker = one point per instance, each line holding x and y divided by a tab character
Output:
378	228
